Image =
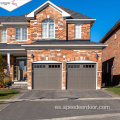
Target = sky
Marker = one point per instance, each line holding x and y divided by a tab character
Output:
106	12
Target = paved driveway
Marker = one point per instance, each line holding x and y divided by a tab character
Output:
70	94
32	106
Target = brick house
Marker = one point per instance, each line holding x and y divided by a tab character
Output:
111	55
52	45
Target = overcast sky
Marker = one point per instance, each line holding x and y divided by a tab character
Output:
106	12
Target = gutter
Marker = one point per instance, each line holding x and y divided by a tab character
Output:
64	45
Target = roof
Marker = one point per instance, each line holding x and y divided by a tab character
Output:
50	43
110	32
74	14
65	42
10	46
22	18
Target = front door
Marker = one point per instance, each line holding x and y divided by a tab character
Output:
21	69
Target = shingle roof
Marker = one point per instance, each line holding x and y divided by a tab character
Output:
10	46
22	18
74	14
65	42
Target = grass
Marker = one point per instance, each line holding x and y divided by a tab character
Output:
115	89
1	102
7	94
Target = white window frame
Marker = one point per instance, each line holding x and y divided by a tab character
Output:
48	23
6	35
76	33
21	34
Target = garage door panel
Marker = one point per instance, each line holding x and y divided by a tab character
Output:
81	76
48	77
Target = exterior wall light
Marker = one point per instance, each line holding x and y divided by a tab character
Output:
97	56
32	56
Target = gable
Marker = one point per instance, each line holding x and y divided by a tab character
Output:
47	3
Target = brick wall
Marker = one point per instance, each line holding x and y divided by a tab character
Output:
57	55
48	12
111	56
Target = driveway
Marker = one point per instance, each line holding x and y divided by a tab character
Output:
70	94
32	106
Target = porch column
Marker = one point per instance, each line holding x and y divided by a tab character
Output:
8	62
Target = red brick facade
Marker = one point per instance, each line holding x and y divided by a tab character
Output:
57	55
111	58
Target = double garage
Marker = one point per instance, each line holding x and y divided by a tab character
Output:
48	76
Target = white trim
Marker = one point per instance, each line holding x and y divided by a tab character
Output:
47	61
63	45
47	23
8	62
80	20
21	34
81	61
29	88
6	35
75	34
16	82
64	14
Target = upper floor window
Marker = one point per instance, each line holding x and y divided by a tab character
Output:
3	35
48	28
21	33
78	31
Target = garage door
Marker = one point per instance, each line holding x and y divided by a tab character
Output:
81	76
47	76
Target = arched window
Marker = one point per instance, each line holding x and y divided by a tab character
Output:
48	28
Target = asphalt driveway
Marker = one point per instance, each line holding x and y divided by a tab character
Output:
32	106
70	94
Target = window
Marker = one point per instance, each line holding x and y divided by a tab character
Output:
48	28
21	33
78	31
3	35
54	66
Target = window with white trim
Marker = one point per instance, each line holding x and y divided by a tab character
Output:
48	28
3	36
78	31
21	34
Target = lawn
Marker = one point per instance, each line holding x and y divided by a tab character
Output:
115	90
1	102
7	94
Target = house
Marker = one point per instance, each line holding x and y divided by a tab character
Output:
111	55
52	45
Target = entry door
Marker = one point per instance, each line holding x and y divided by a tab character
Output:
81	76
21	69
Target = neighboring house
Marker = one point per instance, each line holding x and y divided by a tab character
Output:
52	44
111	55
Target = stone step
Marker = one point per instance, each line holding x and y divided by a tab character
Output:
19	85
